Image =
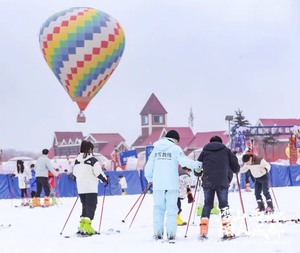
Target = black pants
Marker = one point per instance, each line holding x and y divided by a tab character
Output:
179	205
24	193
89	203
262	185
42	183
209	196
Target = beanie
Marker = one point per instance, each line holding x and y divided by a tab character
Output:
173	134
216	139
45	151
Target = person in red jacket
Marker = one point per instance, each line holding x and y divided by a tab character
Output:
52	185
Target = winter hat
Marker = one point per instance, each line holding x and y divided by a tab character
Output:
216	139
45	151
173	134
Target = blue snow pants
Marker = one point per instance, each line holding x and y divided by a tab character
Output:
165	206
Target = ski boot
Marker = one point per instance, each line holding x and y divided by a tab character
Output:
203	228
87	228
270	208
226	224
81	226
215	210
248	188
171	239
158	237
46	201
53	201
260	206
180	222
199	210
36	202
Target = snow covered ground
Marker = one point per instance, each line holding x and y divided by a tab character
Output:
38	229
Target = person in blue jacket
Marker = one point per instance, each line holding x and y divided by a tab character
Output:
161	170
32	182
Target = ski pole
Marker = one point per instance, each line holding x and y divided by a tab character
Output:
188	223
241	200
102	208
144	194
274	195
69	215
197	202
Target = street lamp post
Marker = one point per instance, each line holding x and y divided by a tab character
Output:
229	118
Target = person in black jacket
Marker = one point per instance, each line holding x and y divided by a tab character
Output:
219	164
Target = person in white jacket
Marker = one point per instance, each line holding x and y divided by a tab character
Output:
185	182
87	172
24	175
259	168
161	170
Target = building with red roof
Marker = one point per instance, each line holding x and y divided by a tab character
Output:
154	126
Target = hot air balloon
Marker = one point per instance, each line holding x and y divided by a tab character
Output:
83	47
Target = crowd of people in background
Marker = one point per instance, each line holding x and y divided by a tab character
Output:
170	175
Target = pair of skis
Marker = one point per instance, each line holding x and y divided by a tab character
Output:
110	231
204	238
5	226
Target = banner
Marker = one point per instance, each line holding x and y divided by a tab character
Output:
124	156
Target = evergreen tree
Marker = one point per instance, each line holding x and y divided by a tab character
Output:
239	119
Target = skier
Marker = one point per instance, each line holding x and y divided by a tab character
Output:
122	184
185	181
259	168
24	176
161	169
87	172
52	185
32	182
248	175
42	167
219	164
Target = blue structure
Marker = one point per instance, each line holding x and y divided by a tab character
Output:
280	176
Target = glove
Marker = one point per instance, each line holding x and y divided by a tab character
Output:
72	177
106	181
198	172
149	186
190	196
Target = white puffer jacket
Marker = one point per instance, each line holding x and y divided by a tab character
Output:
87	172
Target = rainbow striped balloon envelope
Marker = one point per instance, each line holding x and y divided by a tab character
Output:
83	47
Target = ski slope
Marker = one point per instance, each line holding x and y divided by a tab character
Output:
35	230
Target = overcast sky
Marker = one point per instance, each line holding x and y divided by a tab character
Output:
214	56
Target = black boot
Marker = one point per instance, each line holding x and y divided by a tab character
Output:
270	208
260	205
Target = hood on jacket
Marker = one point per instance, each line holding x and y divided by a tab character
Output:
214	146
164	144
81	159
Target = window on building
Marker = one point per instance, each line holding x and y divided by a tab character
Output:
158	119
145	120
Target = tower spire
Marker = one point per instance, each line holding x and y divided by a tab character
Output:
191	119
